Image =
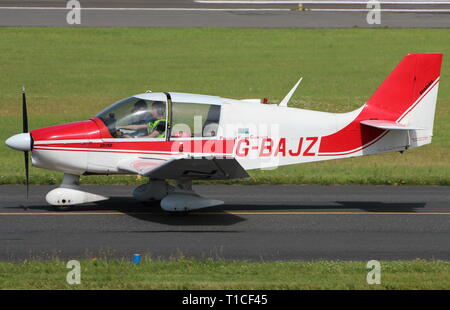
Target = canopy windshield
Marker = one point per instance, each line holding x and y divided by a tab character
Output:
132	111
143	118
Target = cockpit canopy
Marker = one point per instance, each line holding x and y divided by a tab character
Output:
150	117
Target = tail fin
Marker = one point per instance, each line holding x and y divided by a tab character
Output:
405	102
408	96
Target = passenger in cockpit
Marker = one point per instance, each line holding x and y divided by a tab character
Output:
155	128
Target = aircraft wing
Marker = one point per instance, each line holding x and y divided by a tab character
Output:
142	165
185	168
390	125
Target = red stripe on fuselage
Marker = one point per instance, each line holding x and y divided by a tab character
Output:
101	151
160	147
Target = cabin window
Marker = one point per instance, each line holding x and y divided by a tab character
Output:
136	118
194	120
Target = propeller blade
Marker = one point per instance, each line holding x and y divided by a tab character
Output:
26	171
24	111
25	129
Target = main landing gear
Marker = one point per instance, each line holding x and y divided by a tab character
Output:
173	198
178	198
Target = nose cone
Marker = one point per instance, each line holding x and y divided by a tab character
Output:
20	142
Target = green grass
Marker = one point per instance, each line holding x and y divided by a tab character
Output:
72	74
213	274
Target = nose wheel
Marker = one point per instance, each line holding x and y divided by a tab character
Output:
63	208
69	194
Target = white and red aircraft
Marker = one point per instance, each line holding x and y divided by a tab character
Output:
184	137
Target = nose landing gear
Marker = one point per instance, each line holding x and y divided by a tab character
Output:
69	194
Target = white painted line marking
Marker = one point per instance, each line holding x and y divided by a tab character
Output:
228	9
384	10
320	2
141	9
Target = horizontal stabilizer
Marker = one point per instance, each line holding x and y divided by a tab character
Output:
388	125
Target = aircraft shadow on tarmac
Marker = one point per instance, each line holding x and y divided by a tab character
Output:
150	212
337	206
219	215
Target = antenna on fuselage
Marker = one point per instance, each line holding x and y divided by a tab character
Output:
286	99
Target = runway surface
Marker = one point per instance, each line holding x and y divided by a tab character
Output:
188	13
256	223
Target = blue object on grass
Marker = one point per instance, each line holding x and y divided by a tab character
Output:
136	259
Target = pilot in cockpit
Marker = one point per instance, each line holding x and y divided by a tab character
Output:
141	116
153	128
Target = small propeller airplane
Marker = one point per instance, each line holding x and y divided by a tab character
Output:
185	137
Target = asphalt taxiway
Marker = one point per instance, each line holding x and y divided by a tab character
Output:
189	13
255	223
